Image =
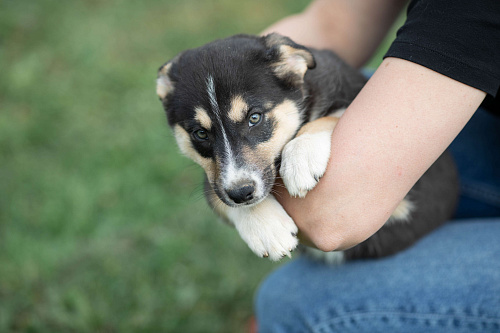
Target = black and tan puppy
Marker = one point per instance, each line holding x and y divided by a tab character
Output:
245	108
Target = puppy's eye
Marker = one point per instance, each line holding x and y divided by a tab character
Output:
200	134
254	119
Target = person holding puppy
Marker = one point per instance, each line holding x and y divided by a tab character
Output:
443	65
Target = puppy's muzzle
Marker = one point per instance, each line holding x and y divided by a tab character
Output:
241	193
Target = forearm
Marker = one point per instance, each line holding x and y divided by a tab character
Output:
351	28
392	132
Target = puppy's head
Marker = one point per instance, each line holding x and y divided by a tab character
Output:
233	104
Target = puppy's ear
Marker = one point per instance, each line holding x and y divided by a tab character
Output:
164	84
289	60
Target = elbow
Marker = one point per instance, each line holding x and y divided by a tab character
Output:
334	242
325	245
327	236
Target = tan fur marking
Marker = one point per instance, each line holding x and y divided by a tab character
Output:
238	109
165	69
287	119
319	125
186	147
202	117
255	158
274	38
164	85
292	60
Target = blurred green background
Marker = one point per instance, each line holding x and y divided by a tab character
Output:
103	225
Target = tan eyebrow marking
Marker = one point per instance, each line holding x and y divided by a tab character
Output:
184	142
287	118
268	105
202	117
238	109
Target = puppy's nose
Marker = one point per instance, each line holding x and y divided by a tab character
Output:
241	194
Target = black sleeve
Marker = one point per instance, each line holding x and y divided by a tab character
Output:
459	39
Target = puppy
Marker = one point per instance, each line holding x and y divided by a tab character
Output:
245	108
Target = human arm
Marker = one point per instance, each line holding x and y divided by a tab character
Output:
351	28
394	130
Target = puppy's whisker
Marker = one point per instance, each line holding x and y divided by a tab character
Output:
279	185
198	193
276	194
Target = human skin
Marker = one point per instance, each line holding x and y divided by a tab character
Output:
398	125
351	28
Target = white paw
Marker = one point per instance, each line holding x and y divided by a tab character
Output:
304	161
266	228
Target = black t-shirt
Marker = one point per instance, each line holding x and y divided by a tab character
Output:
459	39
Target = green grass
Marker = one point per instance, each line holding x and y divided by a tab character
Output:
103	226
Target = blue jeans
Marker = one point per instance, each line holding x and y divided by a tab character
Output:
448	282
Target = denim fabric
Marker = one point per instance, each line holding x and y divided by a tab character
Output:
448	282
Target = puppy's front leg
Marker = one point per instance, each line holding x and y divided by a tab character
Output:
265	227
305	158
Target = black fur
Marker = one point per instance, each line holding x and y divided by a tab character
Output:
243	65
227	60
